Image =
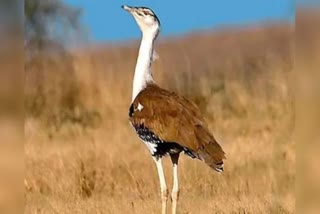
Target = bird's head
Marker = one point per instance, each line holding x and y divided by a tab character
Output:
146	19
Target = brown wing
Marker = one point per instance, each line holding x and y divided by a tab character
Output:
175	119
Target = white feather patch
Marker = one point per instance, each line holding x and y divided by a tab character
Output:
140	107
151	146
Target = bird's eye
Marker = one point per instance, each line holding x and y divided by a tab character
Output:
148	13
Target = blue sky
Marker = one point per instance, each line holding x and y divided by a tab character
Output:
106	21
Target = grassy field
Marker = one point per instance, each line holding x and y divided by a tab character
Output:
82	156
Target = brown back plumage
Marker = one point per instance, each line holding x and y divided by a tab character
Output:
173	118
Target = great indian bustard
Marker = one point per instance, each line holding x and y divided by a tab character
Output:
167	123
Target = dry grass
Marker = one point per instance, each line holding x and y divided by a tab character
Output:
83	157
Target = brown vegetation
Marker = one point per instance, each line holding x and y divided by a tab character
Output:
82	156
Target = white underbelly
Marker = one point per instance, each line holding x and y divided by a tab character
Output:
152	147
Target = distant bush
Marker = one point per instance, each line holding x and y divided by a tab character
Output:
52	90
50	23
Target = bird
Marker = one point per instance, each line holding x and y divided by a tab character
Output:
166	122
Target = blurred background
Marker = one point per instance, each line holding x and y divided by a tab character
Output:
234	59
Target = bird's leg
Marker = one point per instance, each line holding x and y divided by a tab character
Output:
175	188
163	186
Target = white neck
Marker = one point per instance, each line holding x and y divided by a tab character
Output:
143	72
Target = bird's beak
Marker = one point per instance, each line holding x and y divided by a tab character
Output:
127	8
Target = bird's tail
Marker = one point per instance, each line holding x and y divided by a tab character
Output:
210	151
